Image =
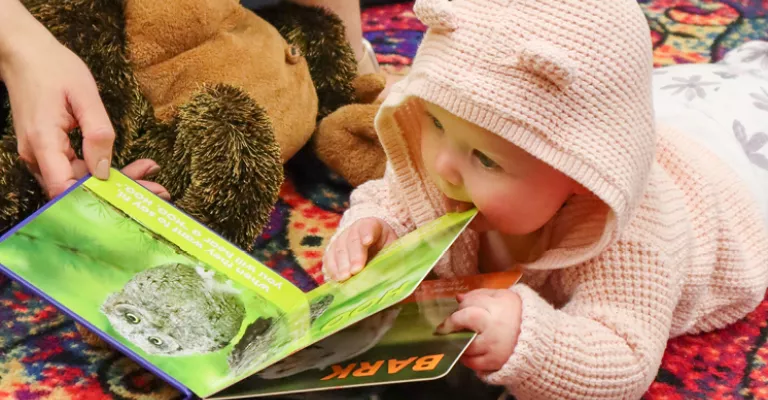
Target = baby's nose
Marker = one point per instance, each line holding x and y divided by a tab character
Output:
447	169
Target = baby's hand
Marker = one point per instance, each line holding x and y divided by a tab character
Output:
351	250
495	316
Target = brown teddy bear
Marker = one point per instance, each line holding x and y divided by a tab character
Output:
219	96
346	140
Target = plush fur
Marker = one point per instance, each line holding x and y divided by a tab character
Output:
346	140
219	126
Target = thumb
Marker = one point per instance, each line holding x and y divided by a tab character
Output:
370	231
98	134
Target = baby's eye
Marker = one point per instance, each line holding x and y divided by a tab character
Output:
437	123
485	161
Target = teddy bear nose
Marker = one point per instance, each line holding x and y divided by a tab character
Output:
436	14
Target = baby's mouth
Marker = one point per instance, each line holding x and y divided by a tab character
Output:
456	206
478	224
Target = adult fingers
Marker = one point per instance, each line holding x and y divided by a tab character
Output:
27	156
98	134
156	188
474	319
79	169
145	168
49	147
141	169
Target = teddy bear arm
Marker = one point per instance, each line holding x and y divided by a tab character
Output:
346	142
158	143
234	164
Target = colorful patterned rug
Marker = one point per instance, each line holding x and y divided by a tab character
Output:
43	357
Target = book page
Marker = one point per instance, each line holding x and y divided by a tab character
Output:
388	278
161	287
396	345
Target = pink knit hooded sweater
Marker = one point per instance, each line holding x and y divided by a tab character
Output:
668	242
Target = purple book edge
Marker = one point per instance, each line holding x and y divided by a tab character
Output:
107	338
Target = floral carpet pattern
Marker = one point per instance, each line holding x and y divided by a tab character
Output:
43	357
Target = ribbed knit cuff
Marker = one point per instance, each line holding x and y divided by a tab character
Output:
537	331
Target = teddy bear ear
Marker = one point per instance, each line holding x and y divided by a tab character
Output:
436	14
548	62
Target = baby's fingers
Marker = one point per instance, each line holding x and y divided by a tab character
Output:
472	318
329	264
369	231
358	254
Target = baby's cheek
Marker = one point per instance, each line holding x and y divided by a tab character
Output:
500	207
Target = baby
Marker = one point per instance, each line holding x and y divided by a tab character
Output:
628	233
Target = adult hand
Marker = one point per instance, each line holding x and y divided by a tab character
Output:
52	92
143	169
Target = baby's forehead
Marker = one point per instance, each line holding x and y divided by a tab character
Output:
478	137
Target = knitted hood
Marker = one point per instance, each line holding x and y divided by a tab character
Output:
569	81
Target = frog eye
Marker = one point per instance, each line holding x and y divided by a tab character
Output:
132	318
155	341
292	54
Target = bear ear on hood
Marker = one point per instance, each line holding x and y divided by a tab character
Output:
436	14
548	62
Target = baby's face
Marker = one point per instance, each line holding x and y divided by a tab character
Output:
515	192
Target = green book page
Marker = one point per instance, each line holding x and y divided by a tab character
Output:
408	351
396	345
158	283
388	278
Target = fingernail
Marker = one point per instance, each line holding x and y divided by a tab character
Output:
356	268
442	329
165	196
367	240
152	171
102	169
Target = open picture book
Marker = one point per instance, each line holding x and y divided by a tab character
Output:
216	323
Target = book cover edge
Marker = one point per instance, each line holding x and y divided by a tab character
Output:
116	345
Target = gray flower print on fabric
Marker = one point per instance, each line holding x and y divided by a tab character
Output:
692	87
757	54
751	144
761	99
725	75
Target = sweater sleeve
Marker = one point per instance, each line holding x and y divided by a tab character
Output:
607	341
377	198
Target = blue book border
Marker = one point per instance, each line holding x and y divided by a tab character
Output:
113	342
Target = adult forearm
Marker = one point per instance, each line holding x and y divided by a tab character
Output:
18	29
